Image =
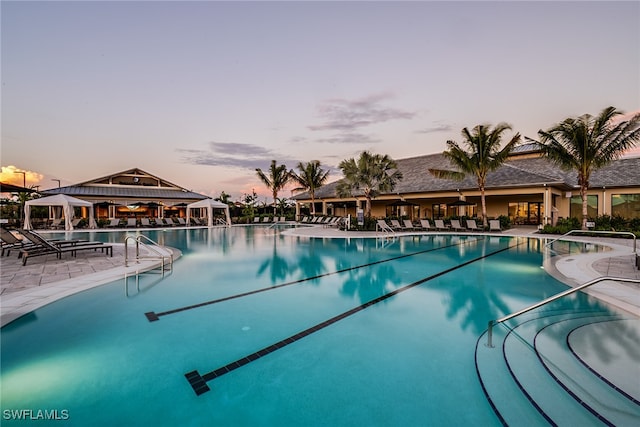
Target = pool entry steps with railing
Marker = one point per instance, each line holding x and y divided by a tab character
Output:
154	252
199	381
544	367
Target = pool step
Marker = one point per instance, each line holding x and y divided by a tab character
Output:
531	374
583	384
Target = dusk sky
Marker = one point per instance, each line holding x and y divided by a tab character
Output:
202	93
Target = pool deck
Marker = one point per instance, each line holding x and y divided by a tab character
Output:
46	279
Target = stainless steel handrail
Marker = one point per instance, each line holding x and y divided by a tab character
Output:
492	323
161	256
627	233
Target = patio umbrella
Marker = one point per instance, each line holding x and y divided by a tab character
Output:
106	204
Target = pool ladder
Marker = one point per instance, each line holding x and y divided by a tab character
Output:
159	252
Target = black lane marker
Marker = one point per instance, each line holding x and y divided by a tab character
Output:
199	382
153	316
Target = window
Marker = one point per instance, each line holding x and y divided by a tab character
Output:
439	211
625	205
576	207
518	212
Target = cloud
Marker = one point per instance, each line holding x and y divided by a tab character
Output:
349	138
347	115
437	127
234	155
13	175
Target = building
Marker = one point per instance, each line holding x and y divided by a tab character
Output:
132	193
528	188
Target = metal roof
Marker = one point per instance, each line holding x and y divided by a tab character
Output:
111	192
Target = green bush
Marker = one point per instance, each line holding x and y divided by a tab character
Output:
602	223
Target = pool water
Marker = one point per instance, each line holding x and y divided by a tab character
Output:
368	332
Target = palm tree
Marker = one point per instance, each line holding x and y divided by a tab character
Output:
371	173
587	143
223	197
484	156
311	177
278	177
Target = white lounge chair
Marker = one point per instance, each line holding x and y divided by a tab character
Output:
395	224
131	222
425	224
408	225
494	225
471	225
440	225
455	225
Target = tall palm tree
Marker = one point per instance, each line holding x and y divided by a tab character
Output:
484	156
277	178
587	143
223	197
310	178
370	173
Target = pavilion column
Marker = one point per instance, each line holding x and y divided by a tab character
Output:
546	205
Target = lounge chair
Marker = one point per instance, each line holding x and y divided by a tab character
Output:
455	225
256	219
114	222
132	222
145	222
57	224
181	221
494	225
440	225
395	224
266	219
305	219
283	219
11	241
75	223
335	221
425	224
471	225
383	226
43	246
408	225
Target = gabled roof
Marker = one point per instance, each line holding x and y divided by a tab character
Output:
131	183
516	172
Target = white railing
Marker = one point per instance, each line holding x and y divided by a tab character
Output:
625	233
159	252
492	323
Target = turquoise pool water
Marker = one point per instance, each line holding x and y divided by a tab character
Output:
368	332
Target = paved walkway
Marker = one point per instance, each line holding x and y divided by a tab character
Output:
46	279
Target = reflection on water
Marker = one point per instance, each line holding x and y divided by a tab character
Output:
263	287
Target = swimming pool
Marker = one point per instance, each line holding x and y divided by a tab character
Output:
255	327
